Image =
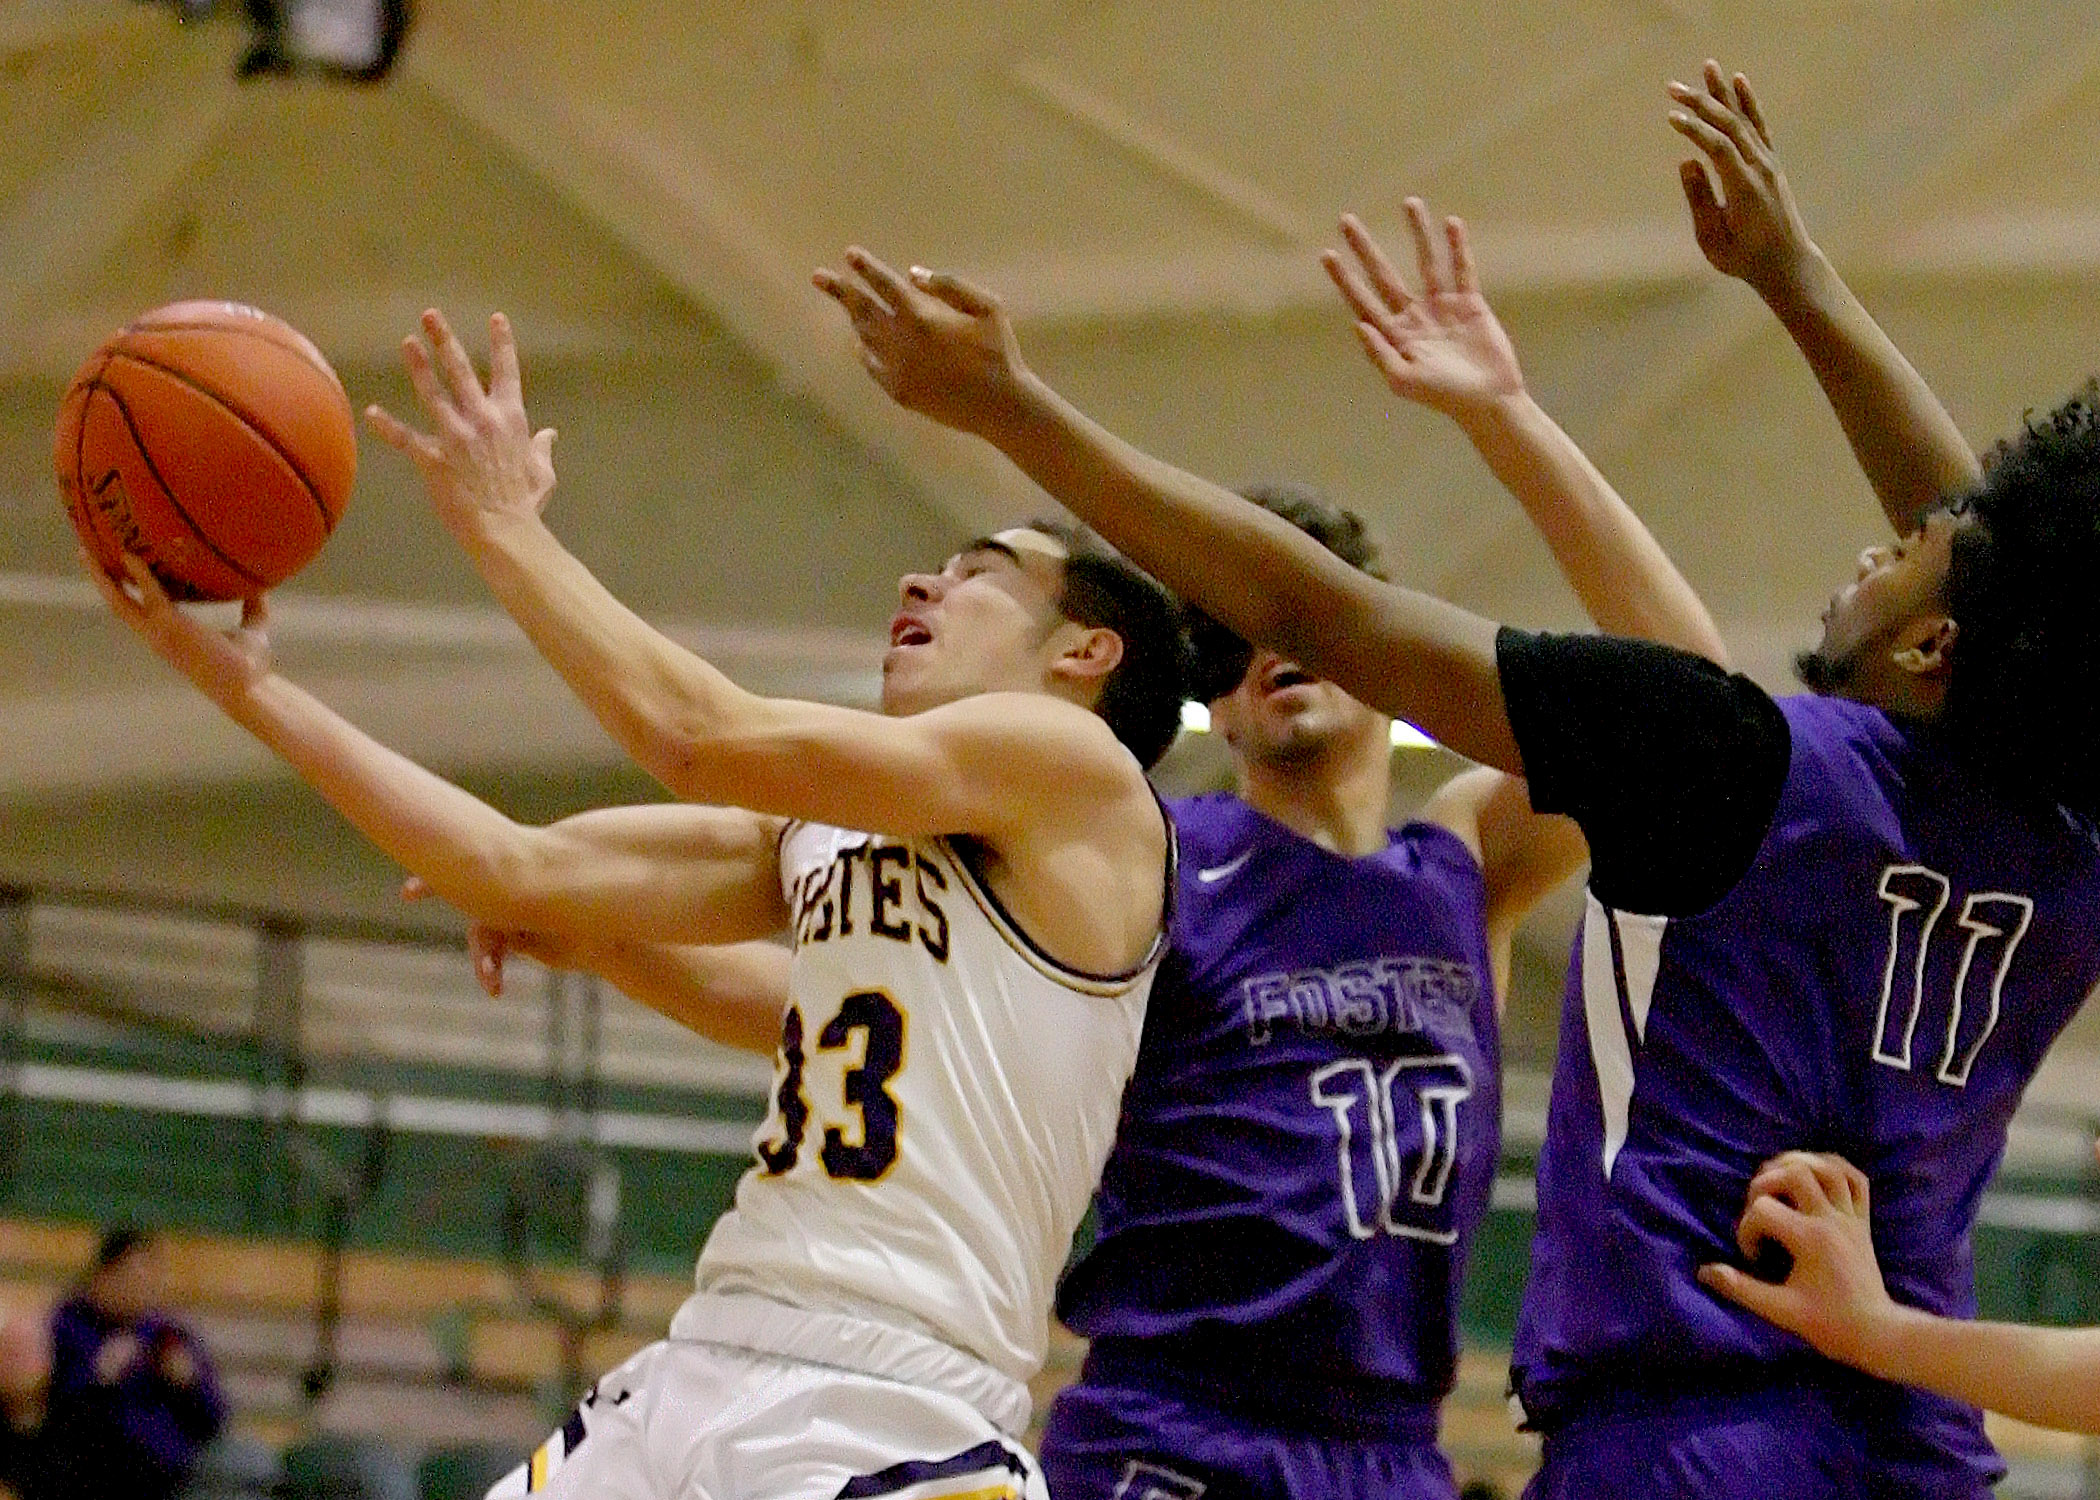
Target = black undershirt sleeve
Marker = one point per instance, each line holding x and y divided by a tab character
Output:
1671	765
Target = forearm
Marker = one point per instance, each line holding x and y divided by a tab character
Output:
1904	440
660	702
1399	651
2047	1376
1625	580
733	994
465	851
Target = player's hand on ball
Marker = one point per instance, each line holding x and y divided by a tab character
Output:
1815	1206
1443	347
939	345
1751	228
224	665
481	459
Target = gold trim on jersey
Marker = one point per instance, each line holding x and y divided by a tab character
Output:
1017	938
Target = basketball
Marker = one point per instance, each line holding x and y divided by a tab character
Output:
213	442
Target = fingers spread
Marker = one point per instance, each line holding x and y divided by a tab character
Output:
891	287
1359	296
1425	248
865	310
1746	105
1385	277
452	358
965	297
398	435
423	376
505	382
1462	277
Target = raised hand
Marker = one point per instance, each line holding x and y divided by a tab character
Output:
481	459
1751	228
939	345
1815	1206
224	665
1443	347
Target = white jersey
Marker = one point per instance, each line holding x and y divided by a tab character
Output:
945	1098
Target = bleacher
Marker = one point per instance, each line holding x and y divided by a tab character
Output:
147	1072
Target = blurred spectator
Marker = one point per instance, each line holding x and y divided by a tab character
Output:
133	1397
25	1381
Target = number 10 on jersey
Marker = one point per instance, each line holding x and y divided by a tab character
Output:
1390	1183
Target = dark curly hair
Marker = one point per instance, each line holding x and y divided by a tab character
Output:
1141	699
1218	657
2023	699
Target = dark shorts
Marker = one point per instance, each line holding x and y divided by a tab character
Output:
1773	1444
1120	1443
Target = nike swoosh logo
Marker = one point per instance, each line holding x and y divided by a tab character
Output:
1217	873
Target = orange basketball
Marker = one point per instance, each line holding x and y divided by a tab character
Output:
213	442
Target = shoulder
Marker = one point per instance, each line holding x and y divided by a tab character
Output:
1206	823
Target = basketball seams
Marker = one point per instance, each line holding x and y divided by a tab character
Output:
268	438
294	343
138	443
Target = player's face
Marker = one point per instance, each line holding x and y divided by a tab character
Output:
980	625
1280	715
1896	587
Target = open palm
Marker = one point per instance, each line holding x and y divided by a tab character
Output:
1442	347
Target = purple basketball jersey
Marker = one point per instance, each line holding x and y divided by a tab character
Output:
1311	1132
1883	983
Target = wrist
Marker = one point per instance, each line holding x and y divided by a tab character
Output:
1881	1338
1800	288
1501	417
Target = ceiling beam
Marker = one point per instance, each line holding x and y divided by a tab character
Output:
668	208
1895	158
71	216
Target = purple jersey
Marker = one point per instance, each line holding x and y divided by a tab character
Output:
1882	982
1311	1132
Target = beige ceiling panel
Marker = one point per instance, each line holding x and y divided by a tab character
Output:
959	167
1289	399
1858	101
325	201
53	94
1332	104
2045	163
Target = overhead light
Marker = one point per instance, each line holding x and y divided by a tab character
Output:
355	40
352	39
1195	718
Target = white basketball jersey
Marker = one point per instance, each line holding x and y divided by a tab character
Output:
945	1097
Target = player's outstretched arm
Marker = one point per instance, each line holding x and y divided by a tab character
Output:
732	994
1445	349
986	765
1905	441
945	349
1816	1206
676	873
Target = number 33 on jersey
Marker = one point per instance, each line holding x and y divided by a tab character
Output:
943	1099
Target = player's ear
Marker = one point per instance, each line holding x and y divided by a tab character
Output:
1929	648
1087	654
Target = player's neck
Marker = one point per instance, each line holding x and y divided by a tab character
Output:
1338	800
